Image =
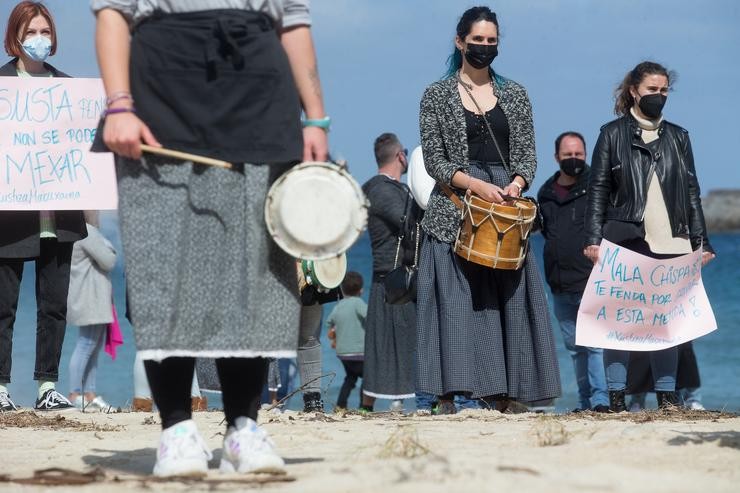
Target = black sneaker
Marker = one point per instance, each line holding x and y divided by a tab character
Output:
312	403
6	405
53	401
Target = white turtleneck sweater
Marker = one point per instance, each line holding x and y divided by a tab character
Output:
658	234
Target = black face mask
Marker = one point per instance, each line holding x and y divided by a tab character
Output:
480	56
651	105
572	166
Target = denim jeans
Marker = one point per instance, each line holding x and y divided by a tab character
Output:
588	361
52	285
353	370
664	364
83	364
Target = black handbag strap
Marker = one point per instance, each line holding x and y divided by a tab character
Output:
403	233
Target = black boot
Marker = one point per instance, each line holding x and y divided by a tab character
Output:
666	399
312	403
616	401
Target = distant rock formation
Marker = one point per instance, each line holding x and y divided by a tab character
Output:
722	210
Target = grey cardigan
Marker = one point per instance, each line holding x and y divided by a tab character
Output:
90	297
444	145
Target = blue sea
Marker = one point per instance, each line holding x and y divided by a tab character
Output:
718	353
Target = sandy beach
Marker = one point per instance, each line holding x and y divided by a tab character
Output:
472	451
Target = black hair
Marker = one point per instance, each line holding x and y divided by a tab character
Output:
464	25
352	284
386	147
569	133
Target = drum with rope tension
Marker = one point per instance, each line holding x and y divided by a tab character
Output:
495	235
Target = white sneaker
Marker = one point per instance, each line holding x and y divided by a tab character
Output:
98	404
247	449
695	406
6	405
182	451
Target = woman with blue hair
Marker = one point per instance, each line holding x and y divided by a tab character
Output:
483	333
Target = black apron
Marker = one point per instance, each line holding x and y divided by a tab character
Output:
217	83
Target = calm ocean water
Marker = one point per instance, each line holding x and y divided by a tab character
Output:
718	353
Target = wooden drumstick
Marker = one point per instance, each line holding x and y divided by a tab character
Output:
186	156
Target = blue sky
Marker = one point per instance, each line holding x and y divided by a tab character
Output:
377	56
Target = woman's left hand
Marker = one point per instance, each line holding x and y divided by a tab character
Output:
315	144
512	190
706	257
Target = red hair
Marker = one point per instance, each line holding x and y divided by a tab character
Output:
19	19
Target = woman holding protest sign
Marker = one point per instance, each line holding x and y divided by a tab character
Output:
225	80
46	237
644	195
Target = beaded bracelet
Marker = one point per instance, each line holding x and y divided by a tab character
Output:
113	111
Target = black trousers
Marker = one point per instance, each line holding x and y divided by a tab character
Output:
242	380
354	371
52	285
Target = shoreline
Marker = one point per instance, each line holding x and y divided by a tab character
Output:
484	450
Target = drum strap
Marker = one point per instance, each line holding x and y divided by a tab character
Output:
451	195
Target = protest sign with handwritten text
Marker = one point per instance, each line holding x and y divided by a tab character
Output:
46	128
637	303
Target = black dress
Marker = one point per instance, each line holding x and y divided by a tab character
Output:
481	331
390	332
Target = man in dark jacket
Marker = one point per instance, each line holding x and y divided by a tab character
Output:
390	331
562	202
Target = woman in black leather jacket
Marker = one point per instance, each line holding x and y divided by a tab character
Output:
644	195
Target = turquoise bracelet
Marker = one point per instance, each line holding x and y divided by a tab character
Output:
324	123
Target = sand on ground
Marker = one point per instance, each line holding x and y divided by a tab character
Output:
471	451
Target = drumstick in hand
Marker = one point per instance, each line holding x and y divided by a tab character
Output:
186	156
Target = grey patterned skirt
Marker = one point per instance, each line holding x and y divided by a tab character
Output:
390	341
204	278
482	331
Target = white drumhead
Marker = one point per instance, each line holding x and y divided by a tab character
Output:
315	211
330	272
420	183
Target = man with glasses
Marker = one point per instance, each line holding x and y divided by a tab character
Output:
390	332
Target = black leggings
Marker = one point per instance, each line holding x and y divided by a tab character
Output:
242	380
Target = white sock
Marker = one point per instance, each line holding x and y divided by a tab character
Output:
45	385
3	388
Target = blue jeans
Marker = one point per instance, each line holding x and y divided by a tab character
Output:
83	364
588	361
664	364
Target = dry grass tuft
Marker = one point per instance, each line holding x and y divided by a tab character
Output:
30	419
403	442
672	414
549	432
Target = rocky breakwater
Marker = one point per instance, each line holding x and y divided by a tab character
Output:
722	210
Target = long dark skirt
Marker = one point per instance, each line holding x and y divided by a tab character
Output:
390	339
482	331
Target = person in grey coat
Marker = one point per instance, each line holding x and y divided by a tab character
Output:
89	306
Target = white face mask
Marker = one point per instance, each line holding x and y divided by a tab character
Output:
37	48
